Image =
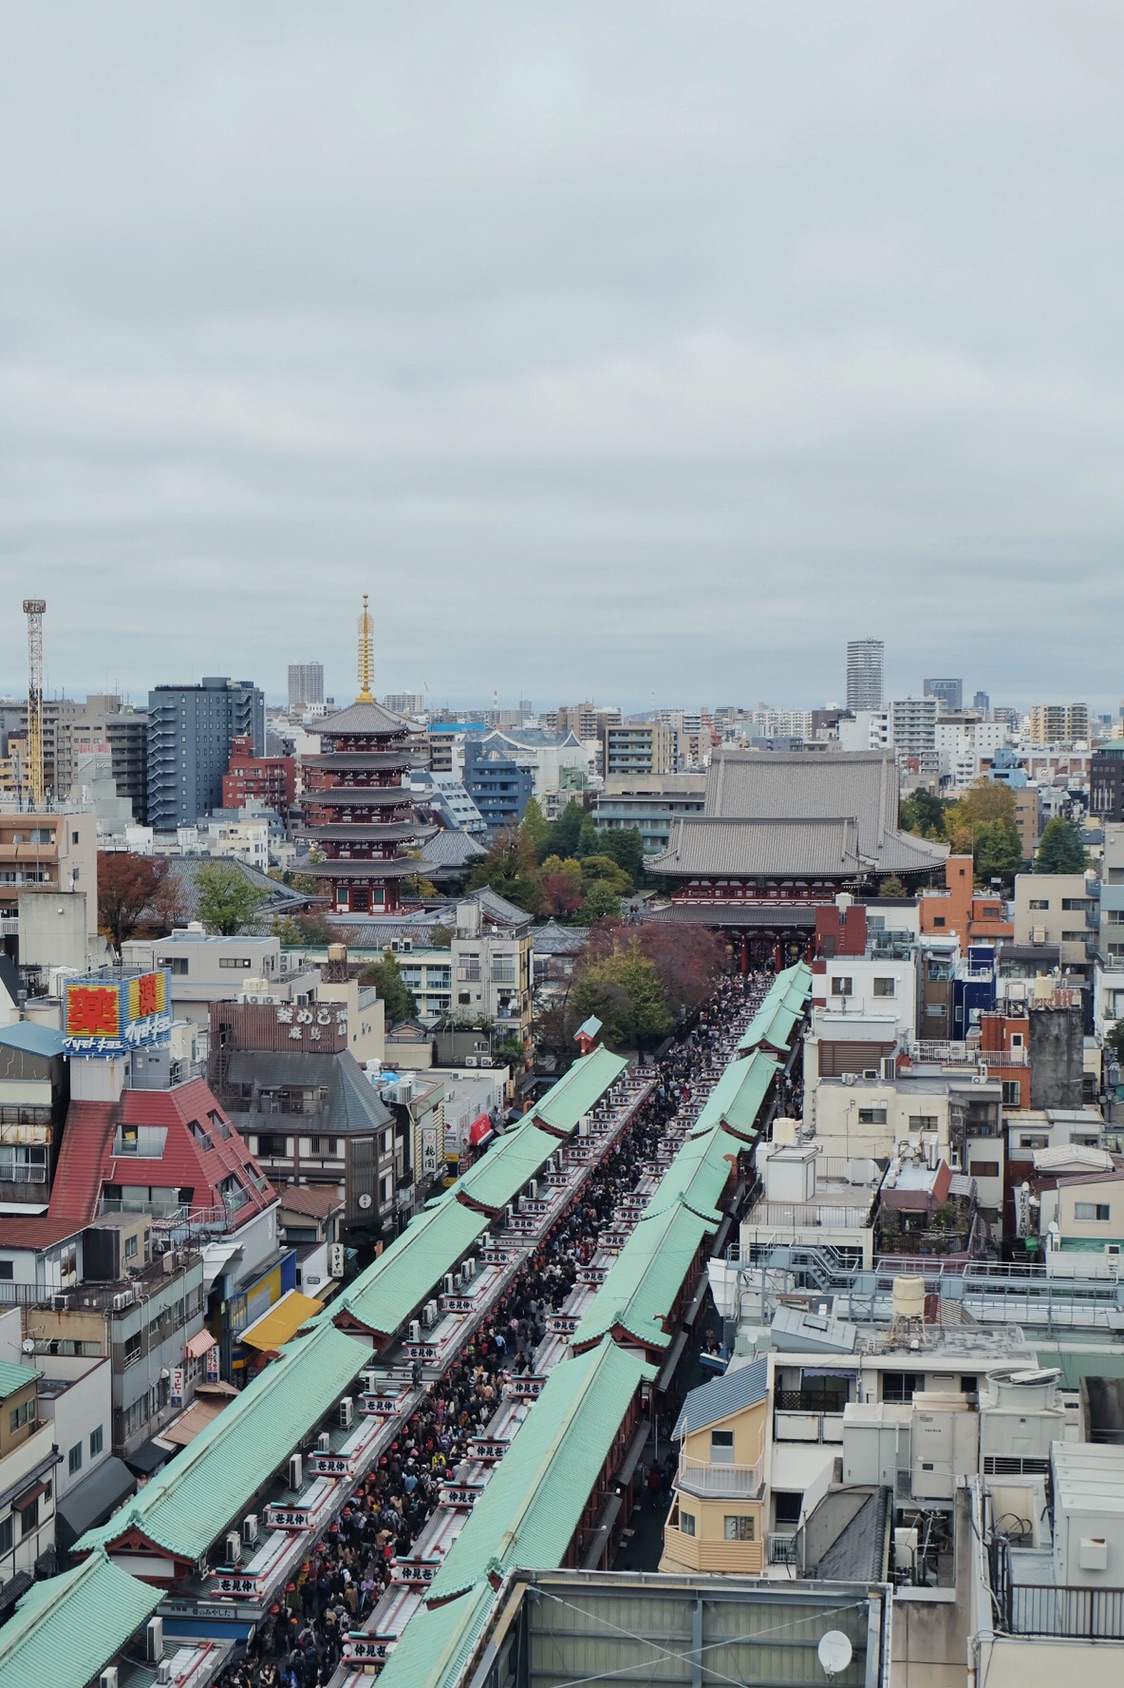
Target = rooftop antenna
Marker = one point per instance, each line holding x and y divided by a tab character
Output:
35	609
366	654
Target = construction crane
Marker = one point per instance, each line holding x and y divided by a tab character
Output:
35	609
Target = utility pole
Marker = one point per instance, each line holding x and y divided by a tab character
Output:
34	609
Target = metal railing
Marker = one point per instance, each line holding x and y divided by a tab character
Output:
1085	1613
697	1477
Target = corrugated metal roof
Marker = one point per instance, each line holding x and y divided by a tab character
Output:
533	1503
724	1395
698	1174
37	1040
644	1280
773	1027
503	1171
67	1628
436	1646
579	1089
13	1377
383	1296
189	1503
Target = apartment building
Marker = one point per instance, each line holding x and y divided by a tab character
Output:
1058	909
637	747
48	851
1058	723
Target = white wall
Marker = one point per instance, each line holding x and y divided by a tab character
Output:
77	1412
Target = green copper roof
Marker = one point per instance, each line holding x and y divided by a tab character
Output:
67	1628
737	1096
535	1498
774	1028
191	1501
437	1644
403	1276
698	1174
500	1174
583	1086
644	1280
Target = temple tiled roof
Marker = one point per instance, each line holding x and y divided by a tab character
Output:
364	719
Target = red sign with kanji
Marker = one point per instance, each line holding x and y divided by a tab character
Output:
92	1010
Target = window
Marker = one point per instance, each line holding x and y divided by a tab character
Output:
922	1122
7	1271
74	1459
132	1349
741	1527
21	1415
6	1534
872	1116
97	1439
788	1506
969	1385
1012	1092
234	961
29	1517
1073	937
1039	903
938	920
984	1169
842	987
687	1523
23	1163
900	1386
722	1447
885	987
132	1247
1075	905
1098	1212
1034	1140
174	963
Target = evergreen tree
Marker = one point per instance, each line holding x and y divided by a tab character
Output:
536	828
398	1002
566	830
1060	849
226	901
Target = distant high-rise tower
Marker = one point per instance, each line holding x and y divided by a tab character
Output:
864	673
948	693
306	684
190	732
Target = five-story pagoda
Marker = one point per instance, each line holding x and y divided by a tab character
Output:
357	811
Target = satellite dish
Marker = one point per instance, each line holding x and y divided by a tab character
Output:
28	1345
834	1652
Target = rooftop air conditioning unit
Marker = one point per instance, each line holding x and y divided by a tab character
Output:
296	1473
848	1078
233	1547
369	1382
323	1443
458	1280
469	1267
123	1299
164	1674
533	1190
583	1126
983	1071
250	1530
871	1073
889	1068
471	1061
108	1677
415	1330
347	1412
448	1283
58	1303
508	1216
154	1640
430	1314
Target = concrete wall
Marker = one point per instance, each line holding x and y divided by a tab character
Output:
84	1405
1057	1058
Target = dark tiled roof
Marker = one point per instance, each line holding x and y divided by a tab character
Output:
453	848
363	719
772	848
353	1104
552	939
722	1396
780	915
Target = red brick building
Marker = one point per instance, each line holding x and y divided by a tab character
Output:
273	779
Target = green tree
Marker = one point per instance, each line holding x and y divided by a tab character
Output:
566	830
536	828
304	926
622	987
891	886
589	839
441	937
398	1001
626	847
1060	849
511	1051
511	870
923	814
997	851
601	902
1114	1040
226	901
604	868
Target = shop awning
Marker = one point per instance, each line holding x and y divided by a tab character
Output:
282	1322
198	1345
149	1457
481	1130
95	1496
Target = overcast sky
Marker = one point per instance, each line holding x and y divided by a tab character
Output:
619	349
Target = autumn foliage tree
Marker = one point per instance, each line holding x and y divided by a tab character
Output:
135	894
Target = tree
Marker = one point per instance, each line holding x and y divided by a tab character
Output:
688	960
562	885
997	851
511	1051
128	886
891	886
226	901
622	988
1114	1040
303	926
589	839
441	936
601	902
626	847
511	870
566	830
1060	849
923	814
605	869
398	1001
536	828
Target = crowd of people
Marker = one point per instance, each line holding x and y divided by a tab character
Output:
347	1573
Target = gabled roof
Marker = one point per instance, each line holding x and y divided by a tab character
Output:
534	1501
453	847
187	1504
354	1105
363	719
722	1396
579	1089
698	1175
498	1177
552	939
737	1096
645	1278
13	1377
67	1628
792	848
403	1276
439	1641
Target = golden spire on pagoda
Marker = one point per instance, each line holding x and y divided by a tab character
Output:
366	654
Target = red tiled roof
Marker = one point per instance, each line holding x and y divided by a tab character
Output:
86	1160
35	1230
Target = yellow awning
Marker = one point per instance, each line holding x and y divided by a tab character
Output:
283	1320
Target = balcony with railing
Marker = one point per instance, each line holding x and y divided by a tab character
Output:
717	1481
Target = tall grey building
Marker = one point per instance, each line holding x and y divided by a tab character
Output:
864	673
190	729
306	684
948	693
